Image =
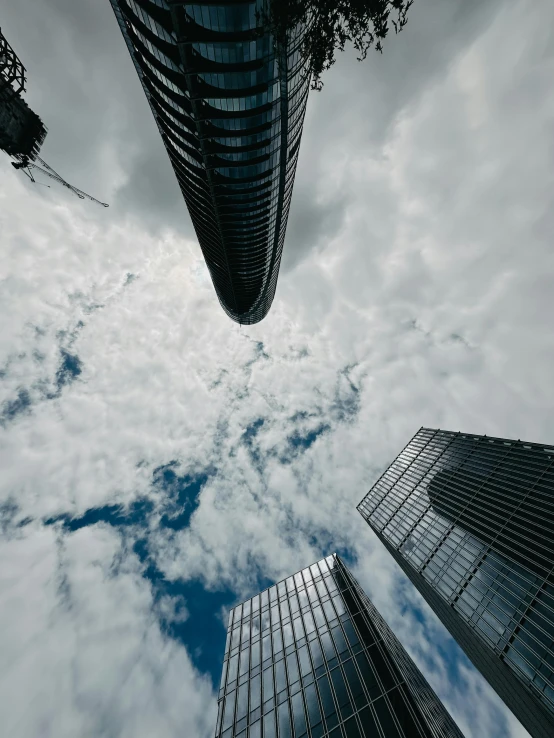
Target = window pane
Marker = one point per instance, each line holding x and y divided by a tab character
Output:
287	635
294	604
268	683
326	696
350	633
329	611
244	661
223	674
368	723
381	667
280	681
339	606
373	688
292	668
266	647
298	714
319	618
269	725
242	701
354	683
284	721
340	641
298	628
255	625
233	664
229	710
314	714
352	730
402	712
317	655
309	622
255	654
385	718
265	620
328	646
340	688
255	692
363	628
305	665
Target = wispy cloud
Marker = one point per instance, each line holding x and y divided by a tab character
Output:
159	462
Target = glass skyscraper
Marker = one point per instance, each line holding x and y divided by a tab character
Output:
229	101
311	656
470	519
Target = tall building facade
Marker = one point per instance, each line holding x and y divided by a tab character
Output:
470	519
229	102
21	130
311	656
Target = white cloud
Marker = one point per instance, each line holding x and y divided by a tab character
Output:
422	298
82	652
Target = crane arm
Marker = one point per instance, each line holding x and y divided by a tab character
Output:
47	169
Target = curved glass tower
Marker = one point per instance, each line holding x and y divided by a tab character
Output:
229	101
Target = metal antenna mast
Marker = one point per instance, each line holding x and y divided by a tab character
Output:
27	166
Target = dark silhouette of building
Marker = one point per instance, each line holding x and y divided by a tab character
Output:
470	520
21	130
313	655
229	102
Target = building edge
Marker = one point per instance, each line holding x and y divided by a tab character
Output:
511	690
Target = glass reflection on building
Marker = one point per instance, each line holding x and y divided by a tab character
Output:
229	102
470	519
311	656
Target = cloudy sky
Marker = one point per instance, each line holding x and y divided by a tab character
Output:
159	463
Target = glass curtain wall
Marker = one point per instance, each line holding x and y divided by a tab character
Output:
311	656
471	521
229	102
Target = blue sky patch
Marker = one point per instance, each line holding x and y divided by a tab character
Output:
115	515
186	610
70	368
303	441
203	632
11	409
181	494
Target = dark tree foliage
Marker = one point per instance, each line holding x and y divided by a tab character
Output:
331	24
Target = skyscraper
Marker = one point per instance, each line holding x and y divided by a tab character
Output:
311	656
470	520
229	102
